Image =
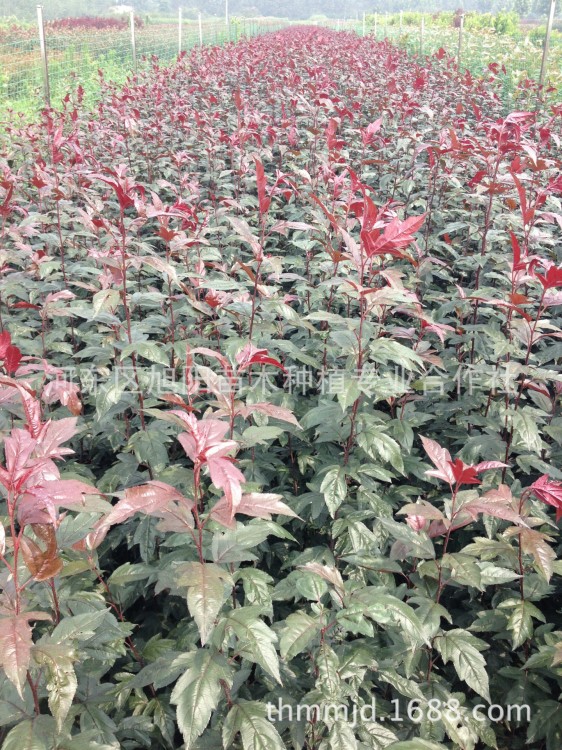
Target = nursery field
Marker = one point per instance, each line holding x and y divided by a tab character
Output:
280	345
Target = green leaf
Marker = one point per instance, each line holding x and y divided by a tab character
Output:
411	543
61	682
461	648
416	745
149	350
24	736
298	631
105	299
329	681
257	732
386	609
348	390
108	396
205	593
463	569
260	435
129	573
526	430
491	574
520	622
380	446
149	447
257	588
384	350
334	488
342	737
197	692
255	639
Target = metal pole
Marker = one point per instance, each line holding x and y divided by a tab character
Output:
43	50
133	41
180	29
227	19
422	27
459	51
547	42
200	31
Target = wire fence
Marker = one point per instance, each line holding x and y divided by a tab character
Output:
76	57
514	57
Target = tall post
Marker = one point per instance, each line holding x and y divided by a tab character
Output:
422	29
375	28
133	41
180	30
542	75
385	25
200	31
364	24
227	19
401	17
43	50
459	51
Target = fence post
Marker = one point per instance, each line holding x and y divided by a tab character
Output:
43	50
133	41
459	51
422	29
542	75
180	29
200	31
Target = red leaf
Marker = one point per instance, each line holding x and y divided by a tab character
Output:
12	359
464	474
249	355
397	235
147	498
368	134
552	278
51	436
5	341
549	492
441	459
487	465
15	649
24	306
65	392
229	479
261	359
271	410
151	498
264	201
42	565
254	504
